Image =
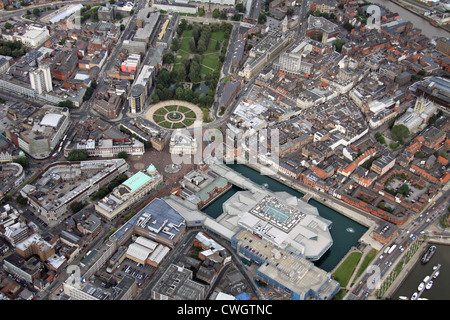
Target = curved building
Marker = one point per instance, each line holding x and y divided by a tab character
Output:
137	98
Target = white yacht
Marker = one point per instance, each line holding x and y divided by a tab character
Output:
421	286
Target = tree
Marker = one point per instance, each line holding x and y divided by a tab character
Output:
338	44
404	189
21	200
122	155
262	18
181	76
76	206
65	104
168	58
223	15
399	132
216	13
380	138
290	12
201	12
77	155
155	98
23	161
240	7
36	12
192	46
8	25
122	27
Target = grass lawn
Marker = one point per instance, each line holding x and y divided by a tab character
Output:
161	111
171	108
190	114
346	269
178	125
158	118
204	70
211	46
186	34
176	67
166	124
340	294
367	260
183	109
180	56
184	45
211	60
218	35
188	122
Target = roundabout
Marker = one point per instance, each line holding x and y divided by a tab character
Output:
174	114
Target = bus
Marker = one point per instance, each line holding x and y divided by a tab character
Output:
392	249
386	250
54	155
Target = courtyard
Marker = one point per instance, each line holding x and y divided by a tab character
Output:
174	114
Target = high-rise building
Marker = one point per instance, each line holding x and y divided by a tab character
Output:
136	98
41	79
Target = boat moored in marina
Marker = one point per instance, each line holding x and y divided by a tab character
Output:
429	285
421	286
428	254
414	296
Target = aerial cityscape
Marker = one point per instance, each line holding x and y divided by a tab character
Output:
224	150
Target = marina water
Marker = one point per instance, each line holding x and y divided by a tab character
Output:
344	231
439	290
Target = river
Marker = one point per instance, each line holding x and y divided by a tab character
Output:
344	231
439	290
427	29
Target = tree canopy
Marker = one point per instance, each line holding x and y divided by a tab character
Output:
399	132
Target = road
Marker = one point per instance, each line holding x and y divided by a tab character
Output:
5	15
404	239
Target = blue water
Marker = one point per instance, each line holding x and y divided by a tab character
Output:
343	240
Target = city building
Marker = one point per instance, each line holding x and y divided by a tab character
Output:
34	36
282	220
51	192
38	134
41	79
182	144
140	89
264	52
126	289
177	284
383	164
157	221
106	147
123	197
137	97
285	270
202	186
12	176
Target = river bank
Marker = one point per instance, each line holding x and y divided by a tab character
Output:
412	7
405	8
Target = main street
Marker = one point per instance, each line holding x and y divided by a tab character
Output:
385	262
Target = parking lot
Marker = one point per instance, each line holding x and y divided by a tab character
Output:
414	193
138	271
